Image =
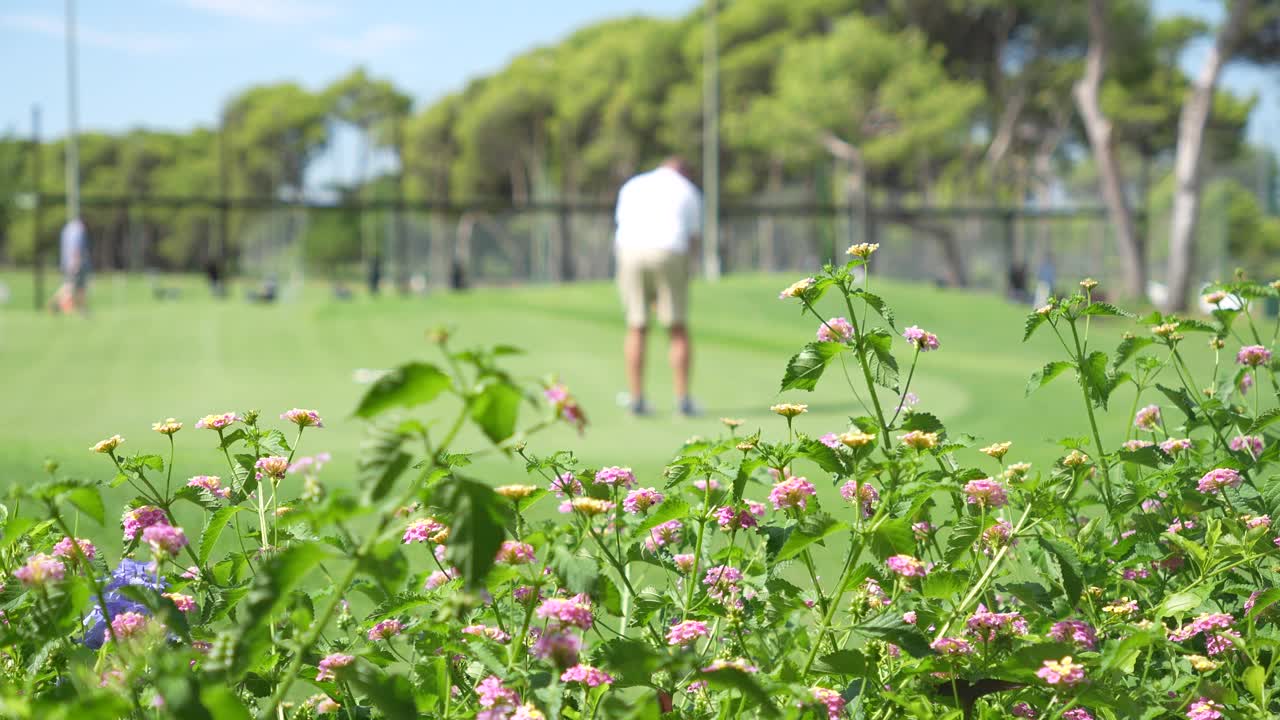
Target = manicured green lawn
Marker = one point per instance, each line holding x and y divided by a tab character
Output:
69	382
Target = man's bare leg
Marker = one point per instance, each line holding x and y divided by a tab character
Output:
680	357
633	349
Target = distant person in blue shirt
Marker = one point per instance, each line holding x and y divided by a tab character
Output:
73	260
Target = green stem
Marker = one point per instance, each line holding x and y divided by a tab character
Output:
1093	420
854	551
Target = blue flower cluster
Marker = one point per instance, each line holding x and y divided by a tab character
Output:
129	572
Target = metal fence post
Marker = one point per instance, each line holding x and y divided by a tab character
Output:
37	259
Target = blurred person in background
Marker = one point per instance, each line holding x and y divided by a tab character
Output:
73	259
659	216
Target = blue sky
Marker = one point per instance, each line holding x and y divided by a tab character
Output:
172	63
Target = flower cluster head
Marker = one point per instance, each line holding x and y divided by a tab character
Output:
1252	522
212	483
528	712
722	582
865	495
141	518
985	492
874	596
107	446
796	289
837	329
484	631
1077	714
988	625
641	499
515	553
924	340
168	426
127	625
951	646
789	410
1215	480
492	693
1202	664
303	418
735	518
616	476
566	485
794	492
426	530
272	466
575	611
1251	444
1136	444
515	492
1075	458
1147	418
1061	672
664	535
557	646
997	450
1173	446
1203	623
587	675
856	438
184	603
40	570
591	506
997	536
1076	631
566	406
907	566
164	539
1166	330
66	548
1123	607
1022	710
832	700
218	422
1205	709
330	663
920	440
862	250
323	704
1253	355
683	633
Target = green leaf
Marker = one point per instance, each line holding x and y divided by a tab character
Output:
1263	420
580	572
1033	323
731	678
1069	568
1181	399
893	537
804	368
890	627
671	508
631	662
1102	308
1041	377
943	584
1188	545
814	528
1255	678
1100	382
1129	346
381	461
276	577
823	456
877	303
1179	603
392	694
478	524
1121	657
222	703
842	662
1196	326
1264	601
1150	456
407	386
494	410
882	363
88	500
213	530
964	534
922	421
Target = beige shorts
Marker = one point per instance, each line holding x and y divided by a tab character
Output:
653	277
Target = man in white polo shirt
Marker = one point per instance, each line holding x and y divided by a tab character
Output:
659	214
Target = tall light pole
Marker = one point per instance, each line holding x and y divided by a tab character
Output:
73	155
711	147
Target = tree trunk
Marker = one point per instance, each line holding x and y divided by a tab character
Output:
1133	250
1186	165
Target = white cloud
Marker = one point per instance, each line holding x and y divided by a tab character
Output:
371	42
290	12
128	41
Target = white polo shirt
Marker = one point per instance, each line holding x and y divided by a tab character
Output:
658	210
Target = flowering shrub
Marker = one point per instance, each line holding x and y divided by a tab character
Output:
1133	578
